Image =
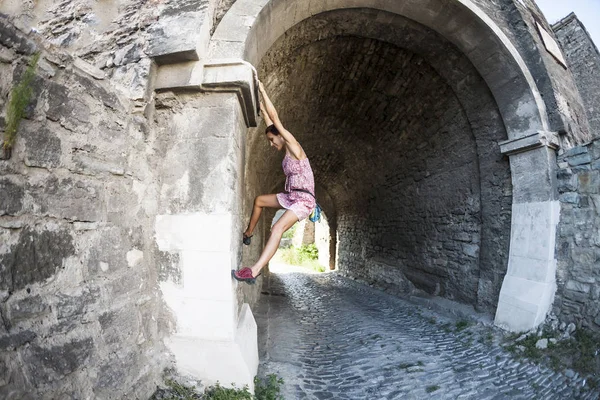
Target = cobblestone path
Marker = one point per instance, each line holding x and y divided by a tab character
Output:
329	337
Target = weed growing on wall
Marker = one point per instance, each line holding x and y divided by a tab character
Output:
20	97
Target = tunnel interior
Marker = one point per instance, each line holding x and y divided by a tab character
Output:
402	134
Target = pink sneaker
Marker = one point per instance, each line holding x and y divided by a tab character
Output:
244	275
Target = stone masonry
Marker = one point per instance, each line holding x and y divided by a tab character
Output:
80	312
584	62
578	244
454	155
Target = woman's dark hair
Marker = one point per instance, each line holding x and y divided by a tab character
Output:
271	128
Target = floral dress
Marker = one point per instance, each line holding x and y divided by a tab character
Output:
298	175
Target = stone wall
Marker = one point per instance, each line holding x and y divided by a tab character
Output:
519	20
584	63
578	242
81	315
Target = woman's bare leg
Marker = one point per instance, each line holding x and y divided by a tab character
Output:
265	200
283	224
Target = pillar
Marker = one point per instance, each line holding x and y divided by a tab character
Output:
529	286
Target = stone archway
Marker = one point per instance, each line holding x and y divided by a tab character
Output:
249	29
484	64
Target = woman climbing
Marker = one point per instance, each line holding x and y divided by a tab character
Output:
298	198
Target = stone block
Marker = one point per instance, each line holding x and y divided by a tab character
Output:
46	364
108	253
570	198
589	182
131	53
134	78
43	147
120	326
577	286
89	69
179	38
72	199
579	160
11	200
574	151
96	90
35	258
27	308
92	164
73	305
576	296
15	340
67	108
471	250
10	37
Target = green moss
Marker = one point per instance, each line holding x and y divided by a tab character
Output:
461	325
432	388
20	97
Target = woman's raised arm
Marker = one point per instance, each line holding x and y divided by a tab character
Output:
270	114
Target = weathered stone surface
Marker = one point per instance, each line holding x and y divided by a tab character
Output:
35	258
16	340
67	108
181	33
542	344
46	364
584	62
43	147
28	308
72	199
109	252
11	38
11	201
73	305
89	69
579	239
120	326
97	91
85	205
115	373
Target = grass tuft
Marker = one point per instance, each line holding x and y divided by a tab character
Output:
20	97
432	388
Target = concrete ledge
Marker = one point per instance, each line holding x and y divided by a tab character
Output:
533	141
227	75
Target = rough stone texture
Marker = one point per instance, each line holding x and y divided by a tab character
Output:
517	19
401	129
409	157
584	62
578	241
77	200
110	37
